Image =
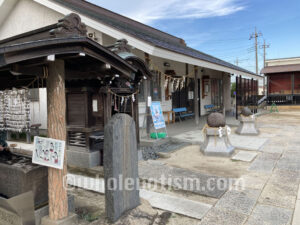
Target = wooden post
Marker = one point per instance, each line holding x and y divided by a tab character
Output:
147	93
56	103
196	95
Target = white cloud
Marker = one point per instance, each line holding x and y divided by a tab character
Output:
147	11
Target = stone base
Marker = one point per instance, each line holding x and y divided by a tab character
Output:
71	219
83	159
215	145
44	211
247	126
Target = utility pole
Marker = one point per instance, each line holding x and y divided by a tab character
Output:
264	46
255	35
237	61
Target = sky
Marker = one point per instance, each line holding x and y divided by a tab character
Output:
222	28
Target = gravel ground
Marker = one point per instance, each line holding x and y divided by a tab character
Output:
150	152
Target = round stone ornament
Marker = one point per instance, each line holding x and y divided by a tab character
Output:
216	120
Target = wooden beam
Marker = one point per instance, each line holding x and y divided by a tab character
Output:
196	105
56	103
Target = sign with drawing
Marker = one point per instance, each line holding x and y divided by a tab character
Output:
157	115
48	152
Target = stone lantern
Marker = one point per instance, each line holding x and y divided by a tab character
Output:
247	123
216	134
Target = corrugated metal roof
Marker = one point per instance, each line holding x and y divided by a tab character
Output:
143	32
281	69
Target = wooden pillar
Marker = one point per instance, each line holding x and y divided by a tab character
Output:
197	120
56	103
137	118
147	93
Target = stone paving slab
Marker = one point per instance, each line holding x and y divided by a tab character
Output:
239	201
279	195
238	141
273	148
296	218
265	214
183	179
288	164
264	163
165	202
175	204
252	181
244	156
225	217
264	166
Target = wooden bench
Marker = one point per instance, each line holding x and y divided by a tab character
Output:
182	113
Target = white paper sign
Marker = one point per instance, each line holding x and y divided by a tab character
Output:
48	152
95	105
149	101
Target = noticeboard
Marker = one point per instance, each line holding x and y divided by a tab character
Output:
157	115
48	152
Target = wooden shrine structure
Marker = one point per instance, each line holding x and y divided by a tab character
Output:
86	84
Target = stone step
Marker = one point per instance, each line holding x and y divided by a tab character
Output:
165	202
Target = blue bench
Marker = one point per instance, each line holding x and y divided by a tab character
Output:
211	108
182	113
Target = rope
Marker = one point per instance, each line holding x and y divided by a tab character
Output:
122	96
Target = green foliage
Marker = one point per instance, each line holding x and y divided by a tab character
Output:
233	89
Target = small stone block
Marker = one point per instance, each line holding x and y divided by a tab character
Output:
71	219
244	156
83	159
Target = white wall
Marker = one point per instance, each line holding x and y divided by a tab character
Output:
38	109
27	15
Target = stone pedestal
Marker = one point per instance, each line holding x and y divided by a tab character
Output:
71	219
83	159
120	166
19	176
214	145
247	126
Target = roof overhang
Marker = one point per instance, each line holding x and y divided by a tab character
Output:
144	46
281	69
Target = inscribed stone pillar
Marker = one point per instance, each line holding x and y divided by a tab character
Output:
120	166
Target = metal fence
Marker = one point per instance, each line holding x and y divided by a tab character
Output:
246	94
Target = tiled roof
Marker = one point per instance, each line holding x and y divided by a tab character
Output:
142	31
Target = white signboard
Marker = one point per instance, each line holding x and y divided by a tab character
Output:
48	152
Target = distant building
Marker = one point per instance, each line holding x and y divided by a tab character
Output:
283	80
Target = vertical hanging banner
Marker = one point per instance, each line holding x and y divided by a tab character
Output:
157	115
48	152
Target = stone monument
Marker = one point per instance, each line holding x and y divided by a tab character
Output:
120	166
247	124
216	134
